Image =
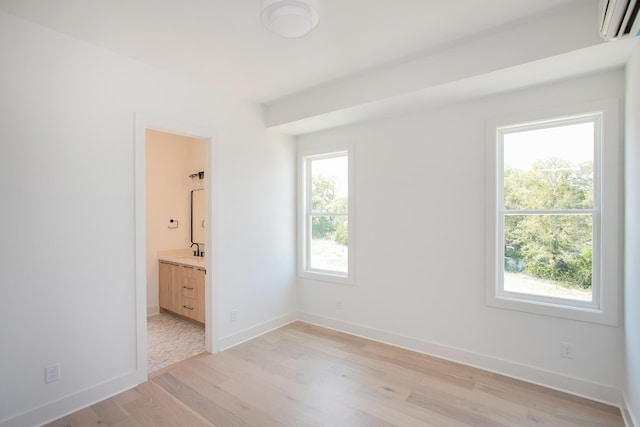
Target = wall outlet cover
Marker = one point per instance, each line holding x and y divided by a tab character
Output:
52	373
566	350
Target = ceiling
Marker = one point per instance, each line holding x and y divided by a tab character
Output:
223	44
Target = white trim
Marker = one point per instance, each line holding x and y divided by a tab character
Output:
627	414
604	309
319	152
594	305
72	403
142	123
153	310
255	331
554	380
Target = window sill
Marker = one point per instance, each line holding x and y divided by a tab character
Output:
327	277
551	307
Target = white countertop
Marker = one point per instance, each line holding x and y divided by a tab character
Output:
193	261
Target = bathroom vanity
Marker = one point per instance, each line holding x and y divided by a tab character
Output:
182	287
181	276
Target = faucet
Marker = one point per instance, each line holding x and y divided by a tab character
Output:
197	251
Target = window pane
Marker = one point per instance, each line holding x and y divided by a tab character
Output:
549	255
329	185
550	168
329	243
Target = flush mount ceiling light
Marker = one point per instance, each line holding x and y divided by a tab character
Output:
290	18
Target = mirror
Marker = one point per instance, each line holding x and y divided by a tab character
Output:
197	217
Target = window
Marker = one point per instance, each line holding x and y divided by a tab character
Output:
326	238
548	218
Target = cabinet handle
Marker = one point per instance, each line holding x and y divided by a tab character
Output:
188	308
186	287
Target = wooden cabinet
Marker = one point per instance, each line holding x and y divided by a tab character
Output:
170	286
182	290
192	297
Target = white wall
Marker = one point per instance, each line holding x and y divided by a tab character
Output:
170	159
420	230
67	192
632	238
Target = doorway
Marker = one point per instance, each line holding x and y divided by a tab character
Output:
175	171
163	226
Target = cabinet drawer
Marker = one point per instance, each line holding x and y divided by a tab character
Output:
189	291
182	290
189	304
189	307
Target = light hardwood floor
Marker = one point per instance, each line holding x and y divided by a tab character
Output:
304	375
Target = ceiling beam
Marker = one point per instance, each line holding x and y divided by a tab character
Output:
533	51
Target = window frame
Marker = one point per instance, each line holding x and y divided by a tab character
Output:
305	157
605	215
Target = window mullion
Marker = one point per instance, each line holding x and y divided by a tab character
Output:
549	211
328	214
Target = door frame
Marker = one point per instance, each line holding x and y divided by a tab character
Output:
142	123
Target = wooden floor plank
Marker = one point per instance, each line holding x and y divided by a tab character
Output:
85	417
109	412
305	375
214	392
454	409
207	409
363	419
156	407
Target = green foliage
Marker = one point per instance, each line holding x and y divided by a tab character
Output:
551	184
341	234
323	194
325	200
554	247
321	227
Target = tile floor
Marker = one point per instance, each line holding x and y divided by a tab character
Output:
171	339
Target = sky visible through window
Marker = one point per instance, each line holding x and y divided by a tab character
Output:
569	142
335	168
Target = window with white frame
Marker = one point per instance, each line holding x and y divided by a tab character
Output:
548	218
325	206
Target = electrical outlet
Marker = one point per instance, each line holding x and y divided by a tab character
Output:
233	315
566	350
339	304
52	373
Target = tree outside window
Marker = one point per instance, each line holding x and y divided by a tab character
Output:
548	208
327	242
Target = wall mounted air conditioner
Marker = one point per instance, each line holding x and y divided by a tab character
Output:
619	19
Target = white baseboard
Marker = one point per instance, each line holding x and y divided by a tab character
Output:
151	311
89	396
72	403
575	386
255	331
627	414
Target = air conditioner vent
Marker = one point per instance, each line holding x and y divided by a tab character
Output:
619	19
